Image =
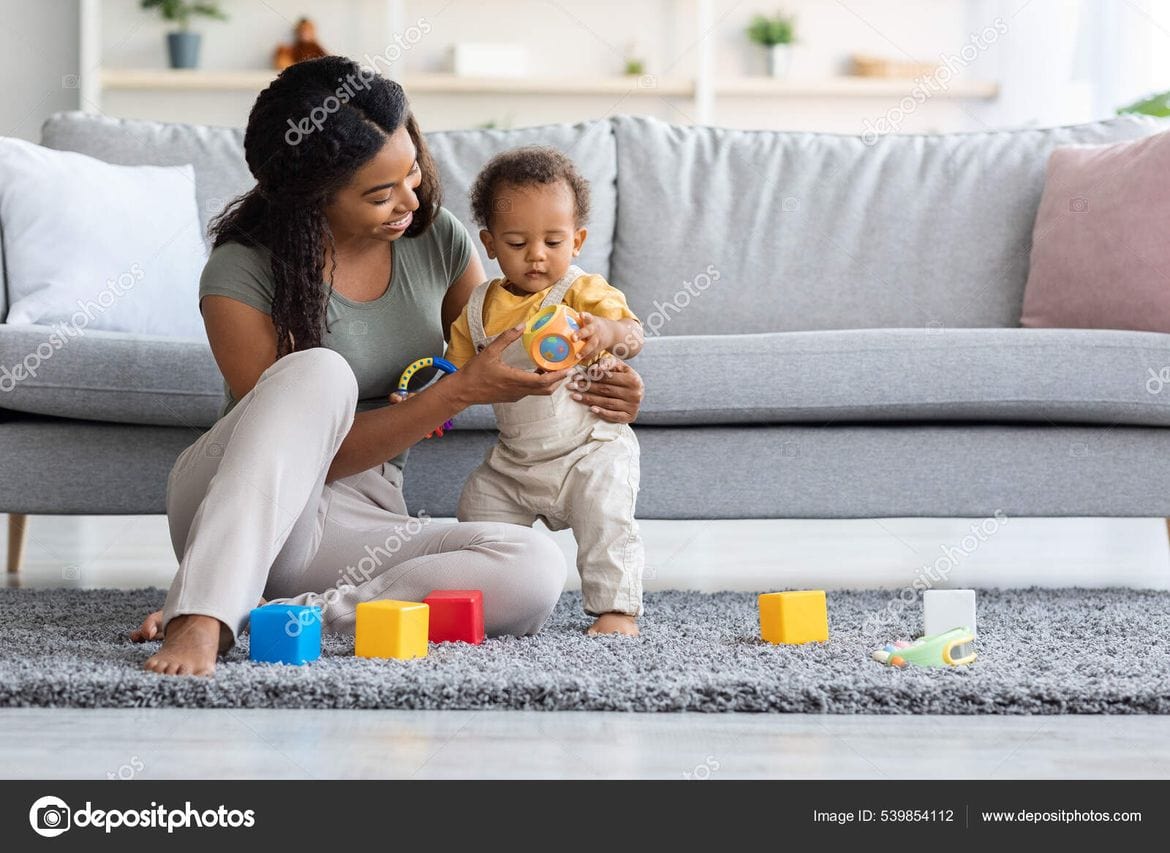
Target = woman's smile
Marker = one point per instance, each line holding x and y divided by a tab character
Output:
399	224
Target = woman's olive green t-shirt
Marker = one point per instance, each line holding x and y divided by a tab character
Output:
379	338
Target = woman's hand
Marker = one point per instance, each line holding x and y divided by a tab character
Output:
611	389
486	378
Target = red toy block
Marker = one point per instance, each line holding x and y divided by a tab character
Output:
456	615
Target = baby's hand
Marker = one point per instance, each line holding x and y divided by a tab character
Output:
598	333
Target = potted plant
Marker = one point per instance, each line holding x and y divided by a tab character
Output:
183	45
776	34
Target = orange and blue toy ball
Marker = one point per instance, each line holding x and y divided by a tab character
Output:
555	348
548	338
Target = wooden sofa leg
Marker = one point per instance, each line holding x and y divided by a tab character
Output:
17	527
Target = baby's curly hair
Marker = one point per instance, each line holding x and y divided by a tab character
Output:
527	166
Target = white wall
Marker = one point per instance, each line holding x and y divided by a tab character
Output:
38	63
1050	73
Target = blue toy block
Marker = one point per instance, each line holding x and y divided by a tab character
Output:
285	633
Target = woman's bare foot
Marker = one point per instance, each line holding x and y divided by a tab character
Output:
614	623
150	629
190	647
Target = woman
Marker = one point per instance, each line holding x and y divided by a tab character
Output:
291	489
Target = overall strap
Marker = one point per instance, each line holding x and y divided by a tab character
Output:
557	292
479	338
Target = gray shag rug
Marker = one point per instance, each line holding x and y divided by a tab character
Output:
1041	651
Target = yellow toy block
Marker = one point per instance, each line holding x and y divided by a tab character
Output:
794	617
391	629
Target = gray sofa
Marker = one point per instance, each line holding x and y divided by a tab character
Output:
833	333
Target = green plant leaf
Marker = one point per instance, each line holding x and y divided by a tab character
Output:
1155	105
780	29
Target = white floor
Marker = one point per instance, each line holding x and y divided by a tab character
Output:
155	744
161	744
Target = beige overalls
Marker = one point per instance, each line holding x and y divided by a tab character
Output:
557	461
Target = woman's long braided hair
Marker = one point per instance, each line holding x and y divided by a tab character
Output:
308	133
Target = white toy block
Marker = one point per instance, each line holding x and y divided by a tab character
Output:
945	609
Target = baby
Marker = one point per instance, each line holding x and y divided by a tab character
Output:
555	459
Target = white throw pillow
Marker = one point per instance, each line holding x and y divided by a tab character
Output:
99	246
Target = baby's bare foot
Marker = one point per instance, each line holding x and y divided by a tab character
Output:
614	623
190	647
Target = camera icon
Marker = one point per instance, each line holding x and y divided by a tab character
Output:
53	817
1079	204
49	816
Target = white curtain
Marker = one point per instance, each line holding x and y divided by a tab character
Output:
1123	44
1067	61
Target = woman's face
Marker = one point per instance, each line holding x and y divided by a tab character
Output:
379	201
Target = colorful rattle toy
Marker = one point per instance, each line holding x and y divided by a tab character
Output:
404	384
950	648
548	338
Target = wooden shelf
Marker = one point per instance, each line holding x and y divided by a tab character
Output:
848	87
194	79
447	84
452	84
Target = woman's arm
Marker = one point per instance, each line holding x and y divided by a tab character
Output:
243	341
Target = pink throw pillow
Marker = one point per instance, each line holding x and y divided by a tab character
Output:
1101	243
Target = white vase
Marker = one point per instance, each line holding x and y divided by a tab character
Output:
779	58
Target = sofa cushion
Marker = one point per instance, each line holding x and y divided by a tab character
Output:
109	376
460	154
1039	375
815	231
1034	375
217	153
139	232
1102	221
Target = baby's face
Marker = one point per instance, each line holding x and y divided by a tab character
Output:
533	234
